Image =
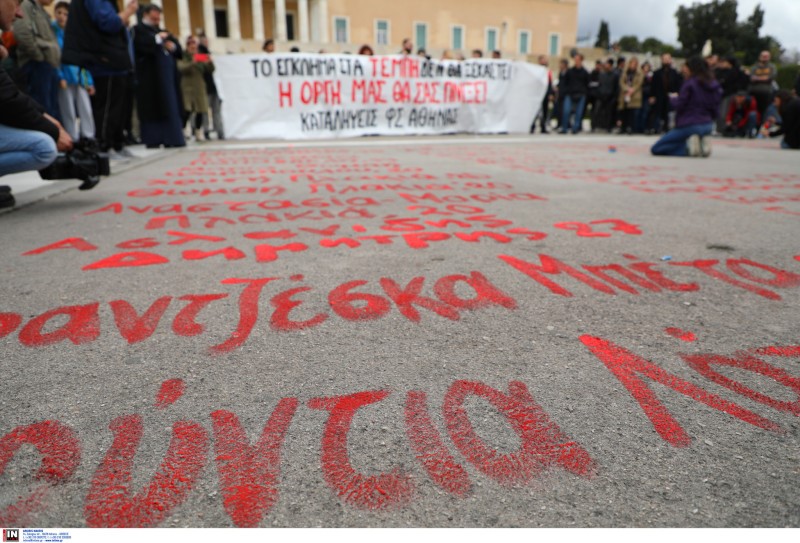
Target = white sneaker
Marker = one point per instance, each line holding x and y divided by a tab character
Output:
199	136
705	146
693	145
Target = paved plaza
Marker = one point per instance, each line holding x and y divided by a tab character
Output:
463	331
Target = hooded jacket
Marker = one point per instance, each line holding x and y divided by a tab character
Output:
697	103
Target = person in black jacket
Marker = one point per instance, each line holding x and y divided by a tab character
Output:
96	38
666	81
29	138
158	101
544	116
576	88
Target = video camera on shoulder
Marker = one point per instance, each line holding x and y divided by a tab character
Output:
84	162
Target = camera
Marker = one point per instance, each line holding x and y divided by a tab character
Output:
84	162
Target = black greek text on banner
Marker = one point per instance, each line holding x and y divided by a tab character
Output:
304	96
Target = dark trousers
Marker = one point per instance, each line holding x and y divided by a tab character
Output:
43	84
603	113
109	108
628	118
543	115
763	100
662	114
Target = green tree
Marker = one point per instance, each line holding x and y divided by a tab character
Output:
630	44
656	46
751	43
700	22
717	21
603	39
652	45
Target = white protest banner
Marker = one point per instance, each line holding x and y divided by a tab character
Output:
303	96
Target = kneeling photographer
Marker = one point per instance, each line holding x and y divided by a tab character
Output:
29	138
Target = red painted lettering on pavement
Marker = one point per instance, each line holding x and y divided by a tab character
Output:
128	260
627	367
341	301
9	322
550	265
134	328
485	292
79	244
170	392
381	491
185	323
83	326
681	334
61	454
543	443
406	298
111	502
250	474
284	304
248	312
702	364
429	448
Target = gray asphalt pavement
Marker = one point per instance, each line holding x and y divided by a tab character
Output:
444	332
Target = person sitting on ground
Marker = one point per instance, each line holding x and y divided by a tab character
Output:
789	108
29	138
742	118
696	107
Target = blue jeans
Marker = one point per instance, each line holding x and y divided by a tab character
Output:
673	143
580	106
772	111
23	150
752	123
640	123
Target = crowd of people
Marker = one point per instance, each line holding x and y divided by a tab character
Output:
89	76
620	96
109	82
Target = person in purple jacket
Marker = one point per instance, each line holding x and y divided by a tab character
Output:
696	108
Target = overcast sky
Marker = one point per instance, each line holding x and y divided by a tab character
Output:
644	18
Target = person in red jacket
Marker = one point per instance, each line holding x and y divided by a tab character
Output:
742	119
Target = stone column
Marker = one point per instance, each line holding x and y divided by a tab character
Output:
302	12
280	21
209	21
184	22
258	20
234	29
324	23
